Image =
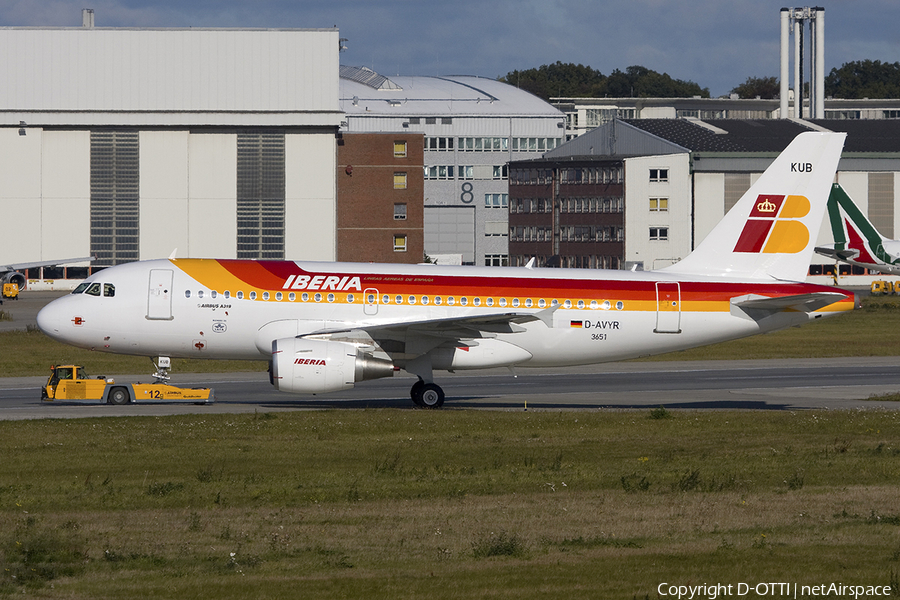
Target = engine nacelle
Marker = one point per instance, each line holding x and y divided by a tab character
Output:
306	366
14	277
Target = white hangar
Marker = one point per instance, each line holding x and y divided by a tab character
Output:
129	144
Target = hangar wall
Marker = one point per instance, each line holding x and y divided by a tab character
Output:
188	95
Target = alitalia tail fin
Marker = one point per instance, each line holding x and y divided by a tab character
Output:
855	238
770	232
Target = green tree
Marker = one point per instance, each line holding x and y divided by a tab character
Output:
864	79
562	80
766	88
568	80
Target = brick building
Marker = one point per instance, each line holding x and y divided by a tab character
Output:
380	197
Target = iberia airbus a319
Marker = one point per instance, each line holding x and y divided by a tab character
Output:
324	327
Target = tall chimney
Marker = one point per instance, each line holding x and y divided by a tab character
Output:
87	18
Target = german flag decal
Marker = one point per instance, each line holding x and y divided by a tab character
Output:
577	324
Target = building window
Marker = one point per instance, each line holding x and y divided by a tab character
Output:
439	144
659	175
439	172
659	204
115	197
399	181
399	243
659	234
496	229
400	149
400	212
496	200
496	260
260	195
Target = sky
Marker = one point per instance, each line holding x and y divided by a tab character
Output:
717	44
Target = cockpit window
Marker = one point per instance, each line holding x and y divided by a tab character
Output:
81	287
109	290
94	290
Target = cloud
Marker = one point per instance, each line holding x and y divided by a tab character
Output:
715	43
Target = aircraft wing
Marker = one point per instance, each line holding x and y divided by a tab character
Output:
449	328
418	337
44	263
756	306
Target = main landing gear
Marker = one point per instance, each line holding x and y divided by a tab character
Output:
427	395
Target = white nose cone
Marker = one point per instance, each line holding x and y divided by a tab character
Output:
49	320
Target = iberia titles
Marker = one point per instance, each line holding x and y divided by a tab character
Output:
322	282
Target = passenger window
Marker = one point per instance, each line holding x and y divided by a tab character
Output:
94	290
187	293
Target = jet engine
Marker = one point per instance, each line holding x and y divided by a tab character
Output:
307	366
13	277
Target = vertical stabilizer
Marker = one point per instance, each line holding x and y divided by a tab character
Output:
770	232
854	235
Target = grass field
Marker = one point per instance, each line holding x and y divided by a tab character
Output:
452	504
449	504
864	332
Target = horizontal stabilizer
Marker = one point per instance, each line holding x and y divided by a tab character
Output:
798	303
830	251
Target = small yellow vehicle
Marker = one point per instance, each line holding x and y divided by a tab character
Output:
10	290
881	288
71	384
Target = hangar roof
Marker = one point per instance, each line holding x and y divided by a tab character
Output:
629	137
363	91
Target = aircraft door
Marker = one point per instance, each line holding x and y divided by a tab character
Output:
668	307
159	295
370	299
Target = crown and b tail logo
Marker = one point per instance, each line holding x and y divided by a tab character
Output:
774	226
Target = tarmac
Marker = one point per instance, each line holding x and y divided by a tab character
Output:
21	314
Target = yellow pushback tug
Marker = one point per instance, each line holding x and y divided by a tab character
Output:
71	384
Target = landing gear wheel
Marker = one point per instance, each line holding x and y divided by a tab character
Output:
118	396
416	392
431	396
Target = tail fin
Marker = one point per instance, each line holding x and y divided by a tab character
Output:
770	232
855	238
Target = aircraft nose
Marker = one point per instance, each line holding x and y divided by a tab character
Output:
49	319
